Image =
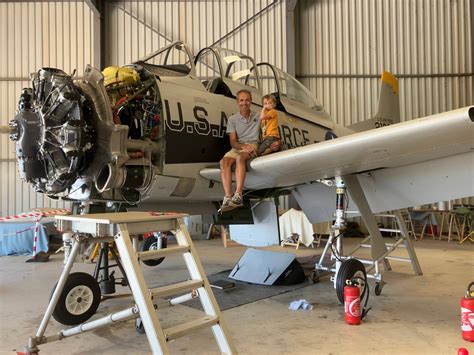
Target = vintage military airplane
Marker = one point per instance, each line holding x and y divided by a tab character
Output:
152	133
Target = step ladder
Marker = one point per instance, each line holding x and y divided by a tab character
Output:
120	226
404	240
395	224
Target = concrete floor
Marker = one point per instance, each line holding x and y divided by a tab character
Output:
414	314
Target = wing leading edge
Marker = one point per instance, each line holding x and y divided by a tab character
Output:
441	135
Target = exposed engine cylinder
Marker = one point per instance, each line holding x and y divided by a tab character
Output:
51	132
83	141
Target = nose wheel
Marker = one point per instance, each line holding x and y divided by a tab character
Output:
153	243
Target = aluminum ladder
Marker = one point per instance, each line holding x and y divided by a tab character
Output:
121	226
404	240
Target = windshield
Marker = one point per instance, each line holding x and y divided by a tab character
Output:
175	57
207	65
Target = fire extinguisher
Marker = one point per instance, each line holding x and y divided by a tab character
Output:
352	304
354	313
467	315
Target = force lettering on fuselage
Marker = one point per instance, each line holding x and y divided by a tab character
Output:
291	136
294	137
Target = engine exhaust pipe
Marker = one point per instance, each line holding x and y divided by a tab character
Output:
127	176
109	177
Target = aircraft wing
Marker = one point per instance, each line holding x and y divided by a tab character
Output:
404	144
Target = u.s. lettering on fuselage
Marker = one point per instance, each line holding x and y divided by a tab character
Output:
291	136
201	126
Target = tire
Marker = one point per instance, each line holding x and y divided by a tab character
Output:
350	268
139	326
79	299
378	288
151	243
315	276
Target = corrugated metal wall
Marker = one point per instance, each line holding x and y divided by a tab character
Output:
33	35
137	28
343	46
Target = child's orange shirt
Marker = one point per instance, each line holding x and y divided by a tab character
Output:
270	125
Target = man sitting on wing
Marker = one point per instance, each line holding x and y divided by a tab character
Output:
243	129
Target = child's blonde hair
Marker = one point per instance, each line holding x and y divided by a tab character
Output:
269	97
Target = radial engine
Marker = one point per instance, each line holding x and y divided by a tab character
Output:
89	139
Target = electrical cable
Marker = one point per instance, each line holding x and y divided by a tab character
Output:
334	250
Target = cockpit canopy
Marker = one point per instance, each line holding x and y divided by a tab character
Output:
284	85
216	65
225	72
172	60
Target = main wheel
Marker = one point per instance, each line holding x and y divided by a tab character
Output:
151	243
79	299
349	269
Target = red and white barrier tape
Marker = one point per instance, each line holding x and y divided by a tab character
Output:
37	216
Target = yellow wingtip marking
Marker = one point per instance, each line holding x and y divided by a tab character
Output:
389	79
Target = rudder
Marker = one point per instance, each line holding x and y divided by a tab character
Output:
388	111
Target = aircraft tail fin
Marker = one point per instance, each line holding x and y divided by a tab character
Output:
388	111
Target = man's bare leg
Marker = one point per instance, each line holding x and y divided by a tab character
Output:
226	174
240	171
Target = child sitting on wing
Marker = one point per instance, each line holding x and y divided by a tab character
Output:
269	127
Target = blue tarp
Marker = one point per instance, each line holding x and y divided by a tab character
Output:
17	238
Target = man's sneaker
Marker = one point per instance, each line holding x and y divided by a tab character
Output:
225	204
236	200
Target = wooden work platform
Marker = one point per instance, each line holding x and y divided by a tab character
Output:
106	224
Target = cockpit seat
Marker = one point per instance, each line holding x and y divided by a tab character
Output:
217	86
